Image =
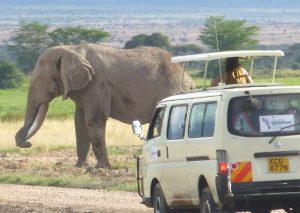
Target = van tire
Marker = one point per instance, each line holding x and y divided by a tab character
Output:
159	200
207	203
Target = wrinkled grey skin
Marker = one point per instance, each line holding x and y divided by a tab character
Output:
103	82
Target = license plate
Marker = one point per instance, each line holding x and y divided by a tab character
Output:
279	165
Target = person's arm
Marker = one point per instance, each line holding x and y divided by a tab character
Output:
248	77
217	80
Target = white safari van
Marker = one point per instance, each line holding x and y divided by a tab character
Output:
224	149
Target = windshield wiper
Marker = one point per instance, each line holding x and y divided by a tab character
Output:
283	128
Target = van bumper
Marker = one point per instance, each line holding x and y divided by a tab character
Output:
279	193
266	188
285	195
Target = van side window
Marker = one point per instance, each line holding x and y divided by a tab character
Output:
156	124
196	121
176	123
202	120
209	120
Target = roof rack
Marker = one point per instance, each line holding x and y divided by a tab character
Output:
230	54
233	86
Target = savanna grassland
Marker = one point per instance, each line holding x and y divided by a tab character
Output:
51	159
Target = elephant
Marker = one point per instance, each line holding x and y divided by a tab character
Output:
103	82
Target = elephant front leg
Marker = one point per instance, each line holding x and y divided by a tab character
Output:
96	130
82	139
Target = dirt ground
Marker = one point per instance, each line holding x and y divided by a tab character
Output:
21	199
39	199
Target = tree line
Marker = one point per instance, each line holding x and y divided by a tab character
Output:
218	34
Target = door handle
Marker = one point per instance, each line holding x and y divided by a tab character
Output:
167	152
158	153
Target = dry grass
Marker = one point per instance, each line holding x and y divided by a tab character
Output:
51	160
62	133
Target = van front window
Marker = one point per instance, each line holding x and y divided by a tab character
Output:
264	115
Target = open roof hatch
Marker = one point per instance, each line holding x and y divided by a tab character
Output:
229	54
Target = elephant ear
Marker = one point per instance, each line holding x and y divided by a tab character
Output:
76	72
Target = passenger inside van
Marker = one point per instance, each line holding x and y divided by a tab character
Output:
233	74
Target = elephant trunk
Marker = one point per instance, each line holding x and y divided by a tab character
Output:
32	124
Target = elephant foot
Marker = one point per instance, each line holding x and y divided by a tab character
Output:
24	144
103	165
89	169
81	164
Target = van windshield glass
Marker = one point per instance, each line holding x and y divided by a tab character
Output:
265	115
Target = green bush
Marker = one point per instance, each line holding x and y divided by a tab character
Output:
10	76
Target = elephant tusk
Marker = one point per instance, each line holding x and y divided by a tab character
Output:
38	121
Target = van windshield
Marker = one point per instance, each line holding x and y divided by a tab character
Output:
264	115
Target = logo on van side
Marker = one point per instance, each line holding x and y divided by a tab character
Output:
153	153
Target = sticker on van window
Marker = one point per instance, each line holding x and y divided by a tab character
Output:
273	123
243	124
153	153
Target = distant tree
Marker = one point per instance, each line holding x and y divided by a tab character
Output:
158	40
27	44
232	34
31	39
186	49
155	40
10	75
136	41
4	54
76	35
291	59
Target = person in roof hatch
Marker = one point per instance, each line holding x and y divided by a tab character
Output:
233	74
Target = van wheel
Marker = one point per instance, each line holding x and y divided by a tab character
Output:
207	204
159	200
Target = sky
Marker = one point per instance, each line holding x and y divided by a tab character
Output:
284	4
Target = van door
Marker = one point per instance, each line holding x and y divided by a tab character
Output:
175	182
201	146
153	152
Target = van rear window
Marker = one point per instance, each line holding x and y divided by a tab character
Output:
265	115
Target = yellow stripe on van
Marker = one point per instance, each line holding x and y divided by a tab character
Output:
241	172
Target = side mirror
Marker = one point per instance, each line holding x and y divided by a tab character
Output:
137	129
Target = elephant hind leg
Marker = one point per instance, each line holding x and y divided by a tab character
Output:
82	139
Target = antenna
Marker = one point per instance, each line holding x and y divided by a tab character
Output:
217	40
182	78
